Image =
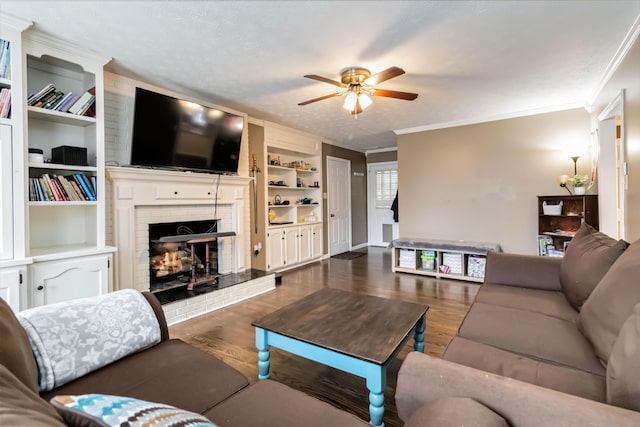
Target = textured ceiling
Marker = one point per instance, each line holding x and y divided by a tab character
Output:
468	61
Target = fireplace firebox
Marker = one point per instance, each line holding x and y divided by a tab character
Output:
184	253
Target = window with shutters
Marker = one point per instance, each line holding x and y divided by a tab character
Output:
386	187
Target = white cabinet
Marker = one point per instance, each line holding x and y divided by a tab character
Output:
316	240
6	199
275	249
291	246
63	280
11	280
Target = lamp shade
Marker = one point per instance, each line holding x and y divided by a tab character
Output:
350	101
364	100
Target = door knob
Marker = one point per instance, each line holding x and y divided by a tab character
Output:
40	288
332	215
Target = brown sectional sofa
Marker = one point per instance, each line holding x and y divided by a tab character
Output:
547	341
170	372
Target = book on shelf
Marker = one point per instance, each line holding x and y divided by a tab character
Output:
53	100
58	188
81	103
5	102
36	97
64	107
5	59
61	102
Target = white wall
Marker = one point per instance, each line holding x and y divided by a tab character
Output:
480	182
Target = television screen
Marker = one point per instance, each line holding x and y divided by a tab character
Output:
174	133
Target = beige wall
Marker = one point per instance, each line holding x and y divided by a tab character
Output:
480	182
359	232
627	77
256	146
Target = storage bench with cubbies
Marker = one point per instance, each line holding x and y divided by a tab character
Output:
452	259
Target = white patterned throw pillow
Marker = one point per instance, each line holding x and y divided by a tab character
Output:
72	338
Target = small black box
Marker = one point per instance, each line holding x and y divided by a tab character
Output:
68	155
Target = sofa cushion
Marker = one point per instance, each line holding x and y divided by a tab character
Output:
586	260
100	410
15	350
172	372
551	303
272	404
21	406
508	364
532	334
611	302
623	369
455	412
73	338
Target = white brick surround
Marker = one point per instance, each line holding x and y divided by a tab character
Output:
144	196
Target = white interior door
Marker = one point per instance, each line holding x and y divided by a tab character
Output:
339	204
382	187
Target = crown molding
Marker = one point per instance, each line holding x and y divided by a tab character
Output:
380	150
513	115
15	22
618	57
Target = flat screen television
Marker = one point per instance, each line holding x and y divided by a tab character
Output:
177	134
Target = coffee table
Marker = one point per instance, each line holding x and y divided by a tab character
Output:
359	334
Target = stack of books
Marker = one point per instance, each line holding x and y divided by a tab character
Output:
5	60
52	99
5	103
57	188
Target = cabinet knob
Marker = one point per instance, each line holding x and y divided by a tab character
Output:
40	288
175	192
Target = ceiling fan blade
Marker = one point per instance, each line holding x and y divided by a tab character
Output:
319	99
325	80
384	75
394	94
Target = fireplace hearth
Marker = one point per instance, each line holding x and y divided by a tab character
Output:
184	254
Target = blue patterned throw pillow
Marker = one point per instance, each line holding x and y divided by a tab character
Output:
101	410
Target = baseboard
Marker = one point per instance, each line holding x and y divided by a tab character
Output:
360	246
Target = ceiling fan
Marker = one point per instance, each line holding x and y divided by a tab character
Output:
358	84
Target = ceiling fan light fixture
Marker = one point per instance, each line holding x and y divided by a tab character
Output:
350	101
364	100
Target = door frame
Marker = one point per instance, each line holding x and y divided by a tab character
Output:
371	197
614	109
329	195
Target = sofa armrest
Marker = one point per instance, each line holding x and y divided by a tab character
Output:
159	312
527	271
422	379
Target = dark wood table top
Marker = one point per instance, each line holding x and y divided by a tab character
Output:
363	326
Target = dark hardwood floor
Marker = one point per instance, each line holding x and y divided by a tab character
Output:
227	333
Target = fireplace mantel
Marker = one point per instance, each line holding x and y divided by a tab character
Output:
138	192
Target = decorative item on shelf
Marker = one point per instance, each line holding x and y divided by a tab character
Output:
277	200
580	183
272	215
36	155
552	210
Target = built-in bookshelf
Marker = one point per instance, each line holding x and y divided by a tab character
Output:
5	79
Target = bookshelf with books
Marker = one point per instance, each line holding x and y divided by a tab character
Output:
64	107
559	217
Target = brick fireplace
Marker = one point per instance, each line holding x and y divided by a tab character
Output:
143	197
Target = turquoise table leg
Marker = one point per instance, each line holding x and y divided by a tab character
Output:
376	382
262	342
419	335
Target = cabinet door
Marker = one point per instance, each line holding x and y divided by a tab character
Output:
10	280
316	241
275	249
304	243
63	280
291	246
6	197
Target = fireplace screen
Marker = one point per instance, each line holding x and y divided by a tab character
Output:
183	254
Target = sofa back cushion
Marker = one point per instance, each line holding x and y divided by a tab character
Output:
623	369
21	406
587	259
15	351
611	302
